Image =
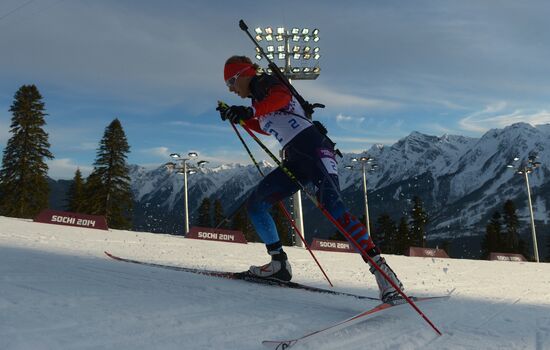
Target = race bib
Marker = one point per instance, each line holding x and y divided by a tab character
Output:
328	160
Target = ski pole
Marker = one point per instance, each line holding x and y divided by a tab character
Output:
340	227
281	205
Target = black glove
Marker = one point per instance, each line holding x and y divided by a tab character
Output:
237	113
222	108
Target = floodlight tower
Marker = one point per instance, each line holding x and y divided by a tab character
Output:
297	51
295	48
184	169
525	169
364	162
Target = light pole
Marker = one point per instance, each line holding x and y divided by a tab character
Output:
525	169
364	162
288	46
184	169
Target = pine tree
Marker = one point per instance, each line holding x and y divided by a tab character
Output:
418	223
511	221
492	242
403	236
93	191
337	236
218	212
386	232
242	223
76	196
108	186
24	188
446	246
204	213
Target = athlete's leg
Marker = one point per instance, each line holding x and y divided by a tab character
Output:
273	188
330	197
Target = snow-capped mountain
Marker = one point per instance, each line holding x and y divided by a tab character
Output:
158	194
461	181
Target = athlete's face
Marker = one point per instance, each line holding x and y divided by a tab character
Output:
241	86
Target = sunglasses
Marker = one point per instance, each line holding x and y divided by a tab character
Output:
231	81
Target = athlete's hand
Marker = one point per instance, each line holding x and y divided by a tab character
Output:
237	113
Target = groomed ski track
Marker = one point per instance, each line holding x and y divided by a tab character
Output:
59	291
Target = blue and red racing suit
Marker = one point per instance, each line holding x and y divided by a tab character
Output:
309	155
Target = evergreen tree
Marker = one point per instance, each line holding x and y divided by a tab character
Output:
418	223
218	212
24	188
511	242
492	242
93	189
76	195
204	213
386	232
337	236
403	236
242	223
446	246
108	186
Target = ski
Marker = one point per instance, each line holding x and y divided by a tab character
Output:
242	276
363	316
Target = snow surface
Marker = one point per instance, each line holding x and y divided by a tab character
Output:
59	291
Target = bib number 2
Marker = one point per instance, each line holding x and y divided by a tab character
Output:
328	160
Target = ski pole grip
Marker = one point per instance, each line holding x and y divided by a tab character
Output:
222	105
243	25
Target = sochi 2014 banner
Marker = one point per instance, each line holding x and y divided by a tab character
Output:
506	257
216	234
331	246
57	217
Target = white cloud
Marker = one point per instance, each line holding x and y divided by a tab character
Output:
334	98
345	118
349	123
156	151
225	156
199	127
64	168
365	140
4	133
437	128
87	146
497	116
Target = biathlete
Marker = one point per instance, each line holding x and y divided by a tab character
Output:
308	154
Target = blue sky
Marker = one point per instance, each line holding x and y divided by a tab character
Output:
388	68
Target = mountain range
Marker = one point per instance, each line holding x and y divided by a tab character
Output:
460	180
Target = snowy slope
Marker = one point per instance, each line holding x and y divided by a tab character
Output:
58	291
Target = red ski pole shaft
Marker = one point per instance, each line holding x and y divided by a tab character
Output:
373	263
342	230
293	223
282	206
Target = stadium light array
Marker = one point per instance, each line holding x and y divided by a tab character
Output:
299	59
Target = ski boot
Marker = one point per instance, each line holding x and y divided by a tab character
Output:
279	268
388	294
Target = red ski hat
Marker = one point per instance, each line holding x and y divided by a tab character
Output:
241	68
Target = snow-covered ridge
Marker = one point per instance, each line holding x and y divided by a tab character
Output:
450	172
